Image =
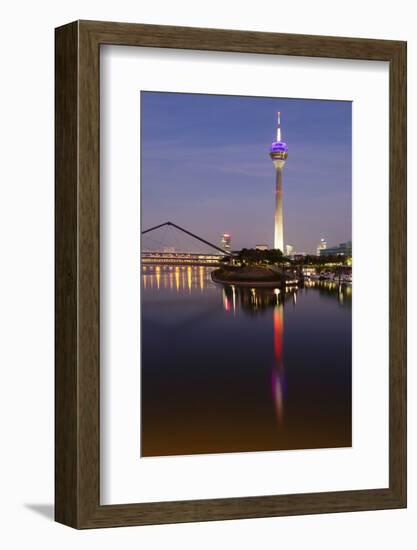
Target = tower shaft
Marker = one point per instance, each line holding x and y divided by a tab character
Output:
278	153
279	222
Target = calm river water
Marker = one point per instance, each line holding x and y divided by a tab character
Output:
228	369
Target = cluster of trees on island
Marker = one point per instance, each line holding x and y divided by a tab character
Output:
272	256
253	256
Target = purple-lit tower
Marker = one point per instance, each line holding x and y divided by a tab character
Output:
279	154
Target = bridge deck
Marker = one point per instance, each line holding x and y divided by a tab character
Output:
179	258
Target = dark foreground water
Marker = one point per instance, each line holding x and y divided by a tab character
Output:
227	369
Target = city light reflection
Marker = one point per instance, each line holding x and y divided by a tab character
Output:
226	303
201	275
158	276
189	278
234	299
177	279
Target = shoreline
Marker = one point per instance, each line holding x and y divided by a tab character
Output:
264	284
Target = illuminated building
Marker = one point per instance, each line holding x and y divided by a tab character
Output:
343	249
261	247
322	246
226	242
278	153
289	249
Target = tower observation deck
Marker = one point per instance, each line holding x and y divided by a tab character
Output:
279	154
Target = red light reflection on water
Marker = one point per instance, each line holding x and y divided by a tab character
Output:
278	372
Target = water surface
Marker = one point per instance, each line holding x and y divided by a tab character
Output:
227	369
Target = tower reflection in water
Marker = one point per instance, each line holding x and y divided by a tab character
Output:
278	372
256	300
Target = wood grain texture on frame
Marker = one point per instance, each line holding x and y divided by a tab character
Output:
77	196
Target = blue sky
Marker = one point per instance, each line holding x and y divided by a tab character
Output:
205	166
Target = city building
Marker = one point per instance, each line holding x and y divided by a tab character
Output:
226	242
343	249
289	249
261	247
322	246
279	154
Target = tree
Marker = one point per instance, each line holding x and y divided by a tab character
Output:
252	256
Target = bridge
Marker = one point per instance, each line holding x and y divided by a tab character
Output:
168	255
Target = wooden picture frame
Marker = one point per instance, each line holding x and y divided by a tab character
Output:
77	406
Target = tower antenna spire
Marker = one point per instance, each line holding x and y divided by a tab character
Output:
279	127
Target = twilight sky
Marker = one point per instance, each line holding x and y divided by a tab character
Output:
205	166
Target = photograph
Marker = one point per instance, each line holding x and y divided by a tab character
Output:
245	273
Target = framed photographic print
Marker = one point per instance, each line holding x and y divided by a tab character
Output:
230	274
